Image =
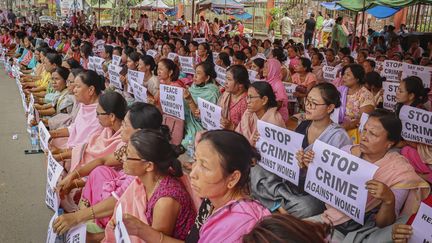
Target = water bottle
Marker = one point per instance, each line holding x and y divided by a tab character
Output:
60	238
34	138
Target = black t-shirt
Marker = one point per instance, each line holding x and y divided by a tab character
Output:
302	129
204	212
310	25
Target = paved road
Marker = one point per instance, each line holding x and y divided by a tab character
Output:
23	214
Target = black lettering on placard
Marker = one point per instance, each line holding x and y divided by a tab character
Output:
311	186
420	116
267	163
347	207
277	136
277	152
426	218
170	97
343	164
169	89
286	171
337	183
426	131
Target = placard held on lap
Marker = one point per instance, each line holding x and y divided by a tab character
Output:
389	96
416	124
120	231
422	225
171	99
210	114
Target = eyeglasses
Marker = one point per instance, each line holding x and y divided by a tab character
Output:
101	113
249	97
312	104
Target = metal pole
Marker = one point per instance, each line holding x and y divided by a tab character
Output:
253	19
193	19
99	13
417	16
353	36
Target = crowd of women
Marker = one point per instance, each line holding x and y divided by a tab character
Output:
116	150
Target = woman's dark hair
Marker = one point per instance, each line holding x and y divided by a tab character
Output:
54	58
171	66
240	75
391	123
282	228
119	49
279	54
91	78
128	50
306	63
63	72
134	56
225	58
208	70
235	152
414	85
339	20
319	55
350	59
148	60
265	89
345	51
357	70
152	145
372	63
143	115
208	51
113	103
259	62
86	49
109	50
329	93
373	79
73	63
76	71
240	55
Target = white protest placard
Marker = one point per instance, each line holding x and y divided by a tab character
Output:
186	64
290	90
339	179
98	63
389	95
278	147
114	76
329	73
335	115
120	231
424	73
215	57
363	119
172	55
220	75
151	53
51	235
416	124
253	76
324	62
391	70
30	113
139	91
91	63
54	170
171	99
200	40
116	60
77	234
52	199
44	136
134	76
422	225
210	114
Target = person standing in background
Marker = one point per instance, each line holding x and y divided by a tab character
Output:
339	34
318	33
12	17
326	29
285	28
309	30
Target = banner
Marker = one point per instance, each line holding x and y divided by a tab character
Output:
416	124
200	40
329	73
98	62
91	64
290	89
391	70
339	179
134	76
424	73
221	75
210	114
172	55
278	147
389	95
151	53
114	76
44	136
171	99
422	225
139	91
116	60
186	64
120	231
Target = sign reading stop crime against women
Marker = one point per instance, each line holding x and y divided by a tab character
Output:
151	53
139	91
391	70
210	114
416	124
116	60
171	99
120	231
220	75
422	225
114	75
290	90
389	95
51	235
44	136
134	76
277	147
186	64
98	62
424	73
339	179
329	73
77	234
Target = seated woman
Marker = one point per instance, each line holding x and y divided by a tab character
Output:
284	196
303	77
356	100
88	87
29	79
233	100
411	92
147	65
27	55
223	60
395	189
203	87
272	73
261	105
317	66
373	82
258	66
156	196
66	112
106	180
346	60
220	176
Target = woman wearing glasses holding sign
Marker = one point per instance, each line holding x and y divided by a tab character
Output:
395	189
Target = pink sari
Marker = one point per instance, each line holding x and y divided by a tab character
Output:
274	78
233	111
394	171
421	159
99	145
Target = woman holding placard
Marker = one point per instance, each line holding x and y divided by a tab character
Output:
411	92
233	100
147	65
395	189
272	73
205	88
356	99
304	76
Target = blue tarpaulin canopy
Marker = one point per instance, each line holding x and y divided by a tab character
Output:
244	15
380	12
